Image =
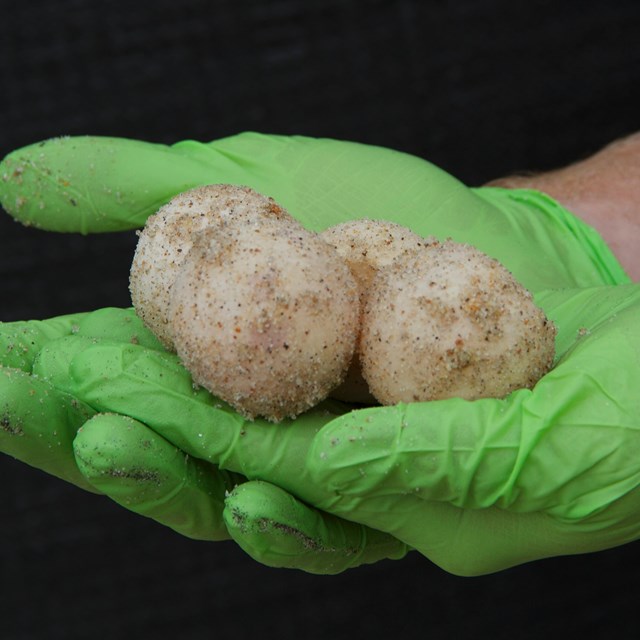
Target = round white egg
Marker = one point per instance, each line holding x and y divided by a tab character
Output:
449	321
265	316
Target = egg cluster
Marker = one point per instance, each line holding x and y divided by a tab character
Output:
273	318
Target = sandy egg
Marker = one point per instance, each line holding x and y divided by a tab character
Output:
265	316
449	321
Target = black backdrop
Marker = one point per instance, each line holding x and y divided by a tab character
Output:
481	88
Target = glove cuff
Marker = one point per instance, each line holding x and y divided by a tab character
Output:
586	255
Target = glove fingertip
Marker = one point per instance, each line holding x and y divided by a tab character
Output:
278	530
148	475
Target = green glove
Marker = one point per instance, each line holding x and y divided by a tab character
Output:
91	184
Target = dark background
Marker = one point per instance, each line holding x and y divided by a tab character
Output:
482	88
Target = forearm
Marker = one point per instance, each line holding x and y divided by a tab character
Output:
604	191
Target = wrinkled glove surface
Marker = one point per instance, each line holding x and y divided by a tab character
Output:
475	486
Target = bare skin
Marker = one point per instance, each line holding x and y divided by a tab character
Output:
604	191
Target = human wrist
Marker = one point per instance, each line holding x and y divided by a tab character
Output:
603	190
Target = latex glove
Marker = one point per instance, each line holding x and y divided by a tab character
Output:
321	182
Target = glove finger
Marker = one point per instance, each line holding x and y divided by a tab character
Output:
117	324
38	424
278	530
144	473
21	341
93	184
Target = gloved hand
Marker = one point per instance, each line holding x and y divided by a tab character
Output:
474	486
139	432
